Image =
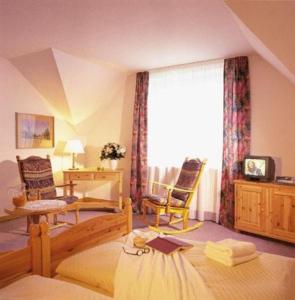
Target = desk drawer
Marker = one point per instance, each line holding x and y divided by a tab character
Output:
107	176
81	176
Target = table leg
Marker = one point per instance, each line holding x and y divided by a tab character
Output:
66	179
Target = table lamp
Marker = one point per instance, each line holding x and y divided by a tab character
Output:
74	147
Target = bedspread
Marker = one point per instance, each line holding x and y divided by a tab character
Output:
268	277
35	287
156	276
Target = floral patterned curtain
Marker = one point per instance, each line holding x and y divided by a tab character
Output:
236	131
138	180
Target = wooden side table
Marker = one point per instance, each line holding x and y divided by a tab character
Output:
93	174
35	209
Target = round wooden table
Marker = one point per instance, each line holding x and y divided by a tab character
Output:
35	209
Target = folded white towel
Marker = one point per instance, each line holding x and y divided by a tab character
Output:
232	248
226	260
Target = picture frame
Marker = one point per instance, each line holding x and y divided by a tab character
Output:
34	131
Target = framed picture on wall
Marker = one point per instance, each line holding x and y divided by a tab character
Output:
34	131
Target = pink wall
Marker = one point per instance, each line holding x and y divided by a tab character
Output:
273	111
113	123
110	122
18	95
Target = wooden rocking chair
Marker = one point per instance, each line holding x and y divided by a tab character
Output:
178	197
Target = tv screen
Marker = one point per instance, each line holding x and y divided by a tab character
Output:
259	168
254	167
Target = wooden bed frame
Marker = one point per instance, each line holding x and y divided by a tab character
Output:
43	253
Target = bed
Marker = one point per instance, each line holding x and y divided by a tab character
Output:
268	277
97	264
43	253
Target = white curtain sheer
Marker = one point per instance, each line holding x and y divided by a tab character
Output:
185	117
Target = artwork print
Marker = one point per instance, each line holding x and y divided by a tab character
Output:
34	131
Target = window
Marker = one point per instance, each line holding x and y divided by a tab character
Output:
185	117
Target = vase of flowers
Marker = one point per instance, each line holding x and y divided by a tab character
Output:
112	152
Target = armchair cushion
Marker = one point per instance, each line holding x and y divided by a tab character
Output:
37	175
187	177
160	200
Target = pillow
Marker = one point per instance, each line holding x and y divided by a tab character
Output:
37	287
95	266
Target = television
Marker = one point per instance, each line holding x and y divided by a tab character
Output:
260	168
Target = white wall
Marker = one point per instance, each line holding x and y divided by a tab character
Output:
273	111
17	95
111	123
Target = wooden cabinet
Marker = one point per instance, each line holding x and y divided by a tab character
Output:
250	207
282	210
265	208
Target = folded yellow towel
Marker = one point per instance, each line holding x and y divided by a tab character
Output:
232	248
226	260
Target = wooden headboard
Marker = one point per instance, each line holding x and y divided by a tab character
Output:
43	254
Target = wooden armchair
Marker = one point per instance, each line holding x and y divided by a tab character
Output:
178	197
37	177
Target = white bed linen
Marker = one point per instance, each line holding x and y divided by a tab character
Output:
267	277
35	287
155	276
84	285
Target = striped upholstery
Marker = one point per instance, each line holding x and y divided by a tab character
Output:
37	175
187	177
163	200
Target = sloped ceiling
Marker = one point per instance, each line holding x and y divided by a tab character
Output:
41	71
87	85
77	53
75	88
130	34
269	27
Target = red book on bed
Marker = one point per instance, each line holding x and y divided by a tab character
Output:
168	245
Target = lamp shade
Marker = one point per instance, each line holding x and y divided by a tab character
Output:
74	146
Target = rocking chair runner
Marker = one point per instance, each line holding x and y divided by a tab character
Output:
178	198
36	174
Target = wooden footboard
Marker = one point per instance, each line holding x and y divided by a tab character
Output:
16	264
43	254
85	235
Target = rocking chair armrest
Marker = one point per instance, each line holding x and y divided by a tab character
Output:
167	186
164	185
171	187
181	190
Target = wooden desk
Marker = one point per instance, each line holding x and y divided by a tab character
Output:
92	174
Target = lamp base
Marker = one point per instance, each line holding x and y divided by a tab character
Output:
73	168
